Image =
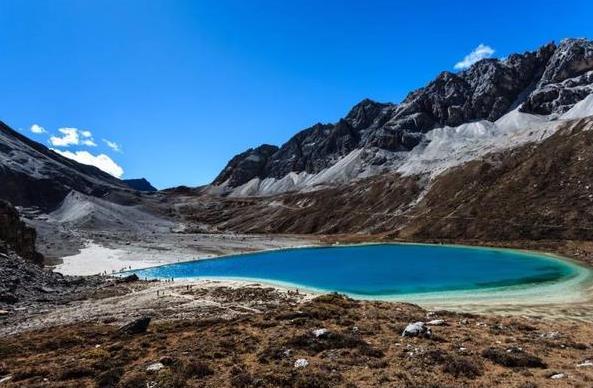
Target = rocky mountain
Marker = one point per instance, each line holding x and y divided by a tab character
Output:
139	184
503	132
535	191
33	175
494	95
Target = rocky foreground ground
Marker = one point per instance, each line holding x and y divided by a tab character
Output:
246	336
61	331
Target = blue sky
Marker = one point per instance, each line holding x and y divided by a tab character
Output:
182	86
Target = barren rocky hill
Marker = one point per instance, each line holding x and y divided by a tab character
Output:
33	175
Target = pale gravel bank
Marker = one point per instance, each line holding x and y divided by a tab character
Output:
106	253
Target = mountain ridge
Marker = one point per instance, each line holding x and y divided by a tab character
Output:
549	80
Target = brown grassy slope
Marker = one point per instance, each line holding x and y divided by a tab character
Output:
533	192
364	348
368	205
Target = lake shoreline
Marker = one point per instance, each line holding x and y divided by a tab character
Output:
490	302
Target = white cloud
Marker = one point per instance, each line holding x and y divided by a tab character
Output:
480	52
72	136
101	161
113	145
69	137
38	129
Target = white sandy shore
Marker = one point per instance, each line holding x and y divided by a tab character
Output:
113	256
95	259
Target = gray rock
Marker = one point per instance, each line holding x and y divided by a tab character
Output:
137	326
320	332
301	363
130	278
417	329
558	376
157	366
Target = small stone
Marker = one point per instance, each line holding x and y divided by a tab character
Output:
320	332
155	367
585	364
3	312
436	322
558	376
301	363
551	335
5	379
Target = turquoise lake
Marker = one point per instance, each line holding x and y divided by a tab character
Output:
378	270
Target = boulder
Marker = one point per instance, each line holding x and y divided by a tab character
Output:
130	278
137	326
417	329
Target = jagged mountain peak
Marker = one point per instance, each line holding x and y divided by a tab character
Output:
246	165
363	114
571	58
547	81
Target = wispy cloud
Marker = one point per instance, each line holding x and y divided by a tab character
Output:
72	136
37	129
480	52
113	145
101	161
